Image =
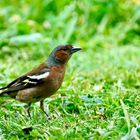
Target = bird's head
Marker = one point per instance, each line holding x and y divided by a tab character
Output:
61	54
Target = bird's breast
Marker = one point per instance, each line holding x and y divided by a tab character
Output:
56	77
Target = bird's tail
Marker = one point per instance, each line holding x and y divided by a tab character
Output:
2	90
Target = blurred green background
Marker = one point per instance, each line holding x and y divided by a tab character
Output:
99	98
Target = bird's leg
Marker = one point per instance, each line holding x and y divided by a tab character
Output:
28	109
42	107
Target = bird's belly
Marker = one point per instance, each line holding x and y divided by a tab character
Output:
38	93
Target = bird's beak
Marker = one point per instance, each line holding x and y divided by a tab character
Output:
75	49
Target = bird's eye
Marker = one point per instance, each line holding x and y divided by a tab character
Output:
65	49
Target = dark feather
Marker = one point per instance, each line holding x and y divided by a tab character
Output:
24	82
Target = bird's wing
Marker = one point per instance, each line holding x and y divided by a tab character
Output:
29	80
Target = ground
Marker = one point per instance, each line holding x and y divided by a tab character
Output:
99	98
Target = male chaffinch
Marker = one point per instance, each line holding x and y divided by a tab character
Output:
43	81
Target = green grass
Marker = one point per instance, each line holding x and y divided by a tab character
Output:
99	98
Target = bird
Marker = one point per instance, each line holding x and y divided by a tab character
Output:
42	81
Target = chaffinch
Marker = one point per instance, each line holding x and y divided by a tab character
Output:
43	81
